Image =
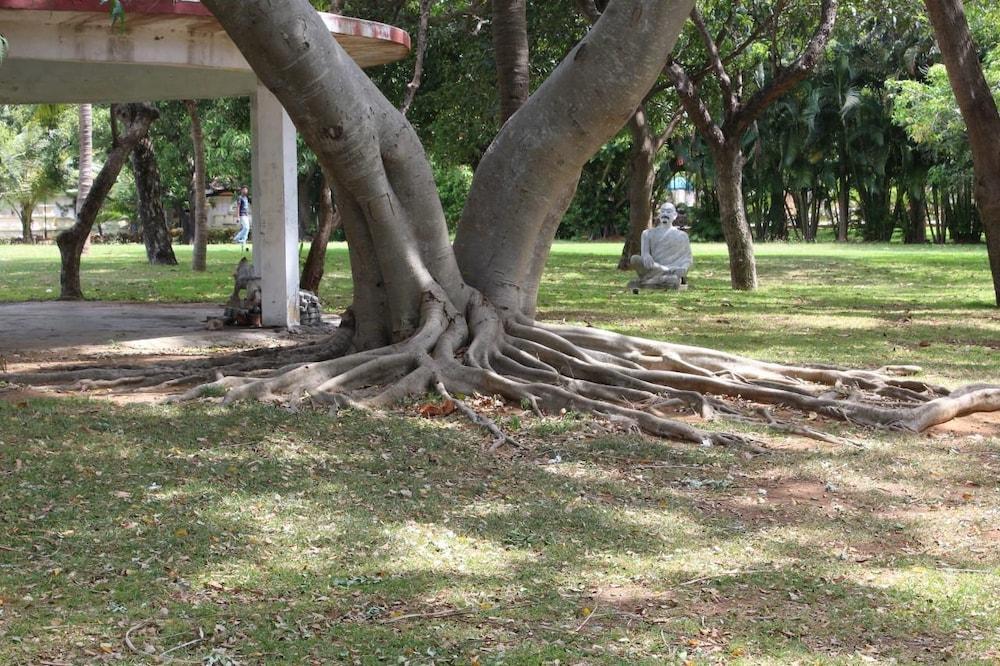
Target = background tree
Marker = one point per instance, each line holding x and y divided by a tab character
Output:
149	198
71	241
723	124
198	257
35	158
86	166
979	109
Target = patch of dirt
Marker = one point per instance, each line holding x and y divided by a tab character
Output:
786	501
986	425
17	394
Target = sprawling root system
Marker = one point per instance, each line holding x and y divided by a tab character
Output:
550	368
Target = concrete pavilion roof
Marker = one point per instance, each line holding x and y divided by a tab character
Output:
66	51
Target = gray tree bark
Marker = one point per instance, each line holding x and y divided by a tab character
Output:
728	160
528	176
979	109
510	48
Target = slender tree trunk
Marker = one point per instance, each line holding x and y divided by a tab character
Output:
844	206
86	131
814	212
71	240
305	207
642	177
916	229
777	217
329	219
728	162
418	62
149	195
510	45
27	215
801	212
979	109
935	222
200	250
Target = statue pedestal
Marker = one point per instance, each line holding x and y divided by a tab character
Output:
675	284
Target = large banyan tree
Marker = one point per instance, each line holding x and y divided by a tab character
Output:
459	319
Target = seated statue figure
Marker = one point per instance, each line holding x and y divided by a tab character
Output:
666	254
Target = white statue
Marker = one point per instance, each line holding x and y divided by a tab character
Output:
666	254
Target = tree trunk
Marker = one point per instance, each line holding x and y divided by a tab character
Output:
329	219
814	213
979	109
86	180
916	228
27	214
305	204
728	162
149	195
510	46
844	207
86	176
642	178
527	178
200	249
71	241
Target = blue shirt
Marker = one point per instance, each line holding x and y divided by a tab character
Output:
244	205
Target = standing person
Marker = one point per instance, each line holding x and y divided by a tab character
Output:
243	215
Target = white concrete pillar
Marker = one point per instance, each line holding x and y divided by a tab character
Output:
275	223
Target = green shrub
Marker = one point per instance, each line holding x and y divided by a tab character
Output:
453	183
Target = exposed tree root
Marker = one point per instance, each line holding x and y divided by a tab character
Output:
551	368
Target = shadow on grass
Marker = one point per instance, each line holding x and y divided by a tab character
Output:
289	537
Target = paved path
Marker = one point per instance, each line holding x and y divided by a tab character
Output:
139	327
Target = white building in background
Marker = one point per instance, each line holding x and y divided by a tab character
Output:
682	191
49	219
57	214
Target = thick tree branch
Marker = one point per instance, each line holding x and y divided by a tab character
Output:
788	77
665	135
695	108
71	241
715	62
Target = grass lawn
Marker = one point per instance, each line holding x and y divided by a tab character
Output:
250	535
